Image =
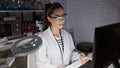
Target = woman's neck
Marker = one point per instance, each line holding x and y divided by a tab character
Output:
56	31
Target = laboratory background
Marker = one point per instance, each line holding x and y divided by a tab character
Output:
22	19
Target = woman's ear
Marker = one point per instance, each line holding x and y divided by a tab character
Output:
49	19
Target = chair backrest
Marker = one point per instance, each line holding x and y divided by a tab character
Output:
85	47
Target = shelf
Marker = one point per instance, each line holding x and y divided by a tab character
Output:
21	10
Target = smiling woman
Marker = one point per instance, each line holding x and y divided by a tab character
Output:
57	50
53	13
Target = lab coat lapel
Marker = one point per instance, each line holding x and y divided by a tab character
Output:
66	54
65	42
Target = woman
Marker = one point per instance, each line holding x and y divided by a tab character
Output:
57	50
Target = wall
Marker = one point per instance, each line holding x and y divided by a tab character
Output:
85	15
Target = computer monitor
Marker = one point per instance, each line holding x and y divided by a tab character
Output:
106	48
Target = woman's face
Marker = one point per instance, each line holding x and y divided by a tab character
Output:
57	19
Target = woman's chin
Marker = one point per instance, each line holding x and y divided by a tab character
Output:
60	27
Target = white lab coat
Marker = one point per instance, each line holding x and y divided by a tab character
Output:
49	54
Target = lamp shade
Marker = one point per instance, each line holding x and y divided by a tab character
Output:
26	45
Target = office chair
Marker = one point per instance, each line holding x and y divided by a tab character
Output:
85	47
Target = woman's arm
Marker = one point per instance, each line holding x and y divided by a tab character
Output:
77	59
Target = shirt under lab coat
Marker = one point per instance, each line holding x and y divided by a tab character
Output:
49	54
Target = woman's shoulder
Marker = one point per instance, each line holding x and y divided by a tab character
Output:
44	34
41	34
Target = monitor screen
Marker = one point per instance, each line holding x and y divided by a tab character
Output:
106	47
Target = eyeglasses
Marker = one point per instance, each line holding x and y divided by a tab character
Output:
59	17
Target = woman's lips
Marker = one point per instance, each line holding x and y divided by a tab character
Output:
61	24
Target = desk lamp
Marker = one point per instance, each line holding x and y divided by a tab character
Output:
26	45
22	47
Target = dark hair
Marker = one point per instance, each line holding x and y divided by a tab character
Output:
49	9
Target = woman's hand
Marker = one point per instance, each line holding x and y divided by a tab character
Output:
84	59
